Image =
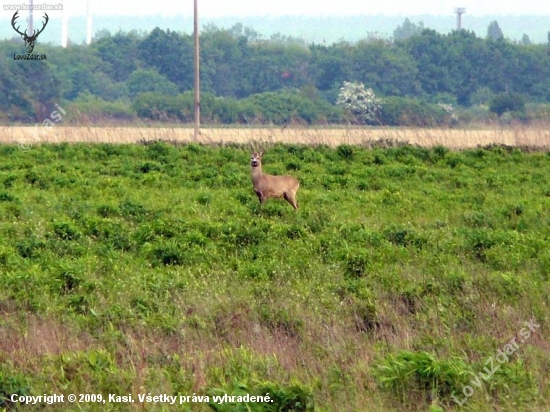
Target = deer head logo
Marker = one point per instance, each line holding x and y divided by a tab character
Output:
29	40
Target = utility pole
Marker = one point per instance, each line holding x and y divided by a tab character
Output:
197	74
459	12
31	17
64	25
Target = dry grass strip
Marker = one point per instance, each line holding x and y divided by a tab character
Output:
531	137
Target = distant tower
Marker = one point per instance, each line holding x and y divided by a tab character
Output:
88	24
64	26
459	12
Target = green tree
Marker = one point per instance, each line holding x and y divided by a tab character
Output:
222	54
458	63
507	102
272	66
15	104
493	31
499	65
44	85
466	62
120	53
430	52
171	54
83	70
247	34
481	96
148	80
407	29
388	69
330	66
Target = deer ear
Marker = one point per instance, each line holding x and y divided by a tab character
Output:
262	152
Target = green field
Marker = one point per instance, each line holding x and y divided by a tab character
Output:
151	269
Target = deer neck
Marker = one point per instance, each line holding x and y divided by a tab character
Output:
257	173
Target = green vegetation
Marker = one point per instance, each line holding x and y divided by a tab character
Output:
246	79
507	102
137	269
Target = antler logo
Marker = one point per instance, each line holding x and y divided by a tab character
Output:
29	40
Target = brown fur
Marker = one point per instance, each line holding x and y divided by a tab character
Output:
266	186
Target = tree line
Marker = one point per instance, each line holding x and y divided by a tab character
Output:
248	79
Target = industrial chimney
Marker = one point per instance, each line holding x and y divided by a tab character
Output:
64	26
459	12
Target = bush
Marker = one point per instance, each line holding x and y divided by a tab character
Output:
92	108
405	111
285	106
507	102
345	151
9	386
408	373
65	231
359	103
142	81
156	106
168	253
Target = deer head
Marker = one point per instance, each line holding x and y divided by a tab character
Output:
29	40
256	159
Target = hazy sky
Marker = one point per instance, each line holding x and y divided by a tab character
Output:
240	9
237	8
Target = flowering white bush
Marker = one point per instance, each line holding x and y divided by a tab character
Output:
359	102
449	109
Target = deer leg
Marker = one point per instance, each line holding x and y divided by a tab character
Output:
290	199
260	195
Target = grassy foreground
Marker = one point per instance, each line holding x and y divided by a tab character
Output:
151	269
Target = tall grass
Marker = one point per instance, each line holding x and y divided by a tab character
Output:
535	137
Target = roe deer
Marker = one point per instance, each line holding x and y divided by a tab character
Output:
272	186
